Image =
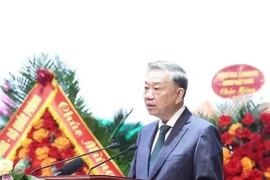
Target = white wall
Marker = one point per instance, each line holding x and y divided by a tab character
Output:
118	38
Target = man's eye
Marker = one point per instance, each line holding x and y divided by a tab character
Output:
146	88
156	89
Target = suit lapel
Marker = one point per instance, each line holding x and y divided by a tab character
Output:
177	132
147	139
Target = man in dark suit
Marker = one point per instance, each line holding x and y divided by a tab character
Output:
179	146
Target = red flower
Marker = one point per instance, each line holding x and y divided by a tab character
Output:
36	163
255	137
256	174
55	132
44	76
246	174
265	118
47	115
45	142
54	153
224	120
233	167
267	145
226	138
33	145
30	134
257	156
266	129
246	150
248	119
242	133
67	153
49	123
265	163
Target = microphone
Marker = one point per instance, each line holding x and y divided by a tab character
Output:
131	148
71	167
112	146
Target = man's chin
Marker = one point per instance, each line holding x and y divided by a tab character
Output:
152	113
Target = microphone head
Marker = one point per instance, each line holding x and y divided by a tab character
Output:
72	167
133	147
113	145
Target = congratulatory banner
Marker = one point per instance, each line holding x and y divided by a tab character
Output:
237	80
49	95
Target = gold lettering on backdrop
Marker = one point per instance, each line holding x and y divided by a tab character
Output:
12	134
63	106
230	75
105	168
78	132
98	157
75	126
245	90
4	146
90	145
109	172
238	82
68	115
227	91
21	121
249	81
253	73
32	105
226	75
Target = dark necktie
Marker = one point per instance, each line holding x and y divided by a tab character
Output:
161	138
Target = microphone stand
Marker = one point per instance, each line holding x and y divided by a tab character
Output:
64	160
132	147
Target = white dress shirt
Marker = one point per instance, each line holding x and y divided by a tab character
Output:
170	123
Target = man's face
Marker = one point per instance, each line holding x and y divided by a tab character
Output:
161	95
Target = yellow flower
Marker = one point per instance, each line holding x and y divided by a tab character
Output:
38	124
61	142
42	152
22	154
26	143
38	135
47	172
267	173
233	127
47	161
247	164
226	155
6	166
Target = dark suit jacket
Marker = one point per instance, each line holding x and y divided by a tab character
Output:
192	151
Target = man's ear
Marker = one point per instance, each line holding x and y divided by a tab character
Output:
179	95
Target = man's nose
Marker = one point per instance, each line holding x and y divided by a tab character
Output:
149	94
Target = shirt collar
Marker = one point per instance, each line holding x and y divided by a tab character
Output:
173	119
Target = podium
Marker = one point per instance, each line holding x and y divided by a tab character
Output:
86	177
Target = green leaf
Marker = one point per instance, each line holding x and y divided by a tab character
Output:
19	169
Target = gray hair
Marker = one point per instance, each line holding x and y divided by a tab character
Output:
178	75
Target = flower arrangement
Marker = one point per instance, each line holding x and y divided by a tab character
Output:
44	145
43	69
246	143
10	172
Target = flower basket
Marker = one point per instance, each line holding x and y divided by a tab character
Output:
245	134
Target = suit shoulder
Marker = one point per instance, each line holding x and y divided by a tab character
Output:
201	122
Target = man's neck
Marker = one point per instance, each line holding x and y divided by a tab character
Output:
174	117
